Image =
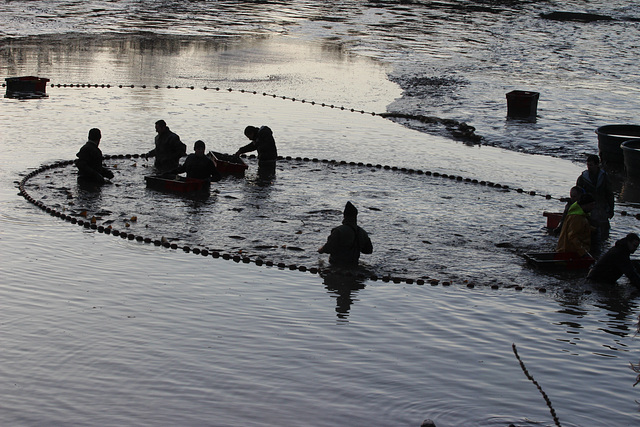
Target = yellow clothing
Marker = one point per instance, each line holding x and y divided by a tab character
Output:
576	232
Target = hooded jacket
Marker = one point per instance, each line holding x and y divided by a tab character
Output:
613	264
346	242
576	232
601	191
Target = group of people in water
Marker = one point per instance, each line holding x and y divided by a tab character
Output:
585	227
345	243
582	231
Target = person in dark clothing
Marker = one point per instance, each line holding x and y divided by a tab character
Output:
616	262
168	148
198	165
262	141
347	241
89	161
596	182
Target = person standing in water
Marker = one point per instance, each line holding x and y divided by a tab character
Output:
197	165
89	161
595	181
168	148
346	242
262	141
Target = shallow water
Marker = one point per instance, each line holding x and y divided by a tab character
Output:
102	330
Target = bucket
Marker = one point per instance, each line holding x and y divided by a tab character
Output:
522	103
553	219
631	154
18	87
610	137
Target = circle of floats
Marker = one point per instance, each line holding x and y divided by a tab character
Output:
258	261
463	131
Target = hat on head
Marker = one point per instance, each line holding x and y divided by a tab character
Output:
350	210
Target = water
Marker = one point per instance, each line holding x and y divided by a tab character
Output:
102	330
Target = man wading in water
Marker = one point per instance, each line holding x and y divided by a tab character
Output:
347	241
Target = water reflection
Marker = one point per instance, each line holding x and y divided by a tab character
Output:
345	286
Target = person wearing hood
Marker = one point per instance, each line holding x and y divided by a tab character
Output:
575	235
346	242
595	181
261	140
89	161
617	262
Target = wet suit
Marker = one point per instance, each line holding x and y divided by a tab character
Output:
346	242
89	164
199	166
264	143
168	150
613	264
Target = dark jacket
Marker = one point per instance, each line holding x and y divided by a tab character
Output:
600	188
169	149
89	163
613	264
264	144
199	166
345	244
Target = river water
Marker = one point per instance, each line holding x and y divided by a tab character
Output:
100	330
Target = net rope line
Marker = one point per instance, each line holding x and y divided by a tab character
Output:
236	257
457	129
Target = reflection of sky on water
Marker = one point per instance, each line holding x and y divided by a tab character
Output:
124	326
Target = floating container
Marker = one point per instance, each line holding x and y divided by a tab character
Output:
522	104
631	154
228	164
26	87
553	219
610	138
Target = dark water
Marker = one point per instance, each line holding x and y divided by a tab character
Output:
97	329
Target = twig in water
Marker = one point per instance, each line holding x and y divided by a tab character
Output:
546	398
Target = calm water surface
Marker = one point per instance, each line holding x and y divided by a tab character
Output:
97	330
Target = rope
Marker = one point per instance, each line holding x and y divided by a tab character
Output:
530	377
238	257
457	130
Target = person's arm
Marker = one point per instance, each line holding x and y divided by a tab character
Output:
366	247
245	149
331	242
213	172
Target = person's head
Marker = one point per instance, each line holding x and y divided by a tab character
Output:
198	147
587	202
575	193
350	211
251	132
161	125
632	242
95	135
593	163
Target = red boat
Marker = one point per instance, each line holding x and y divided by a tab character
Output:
176	183
228	164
